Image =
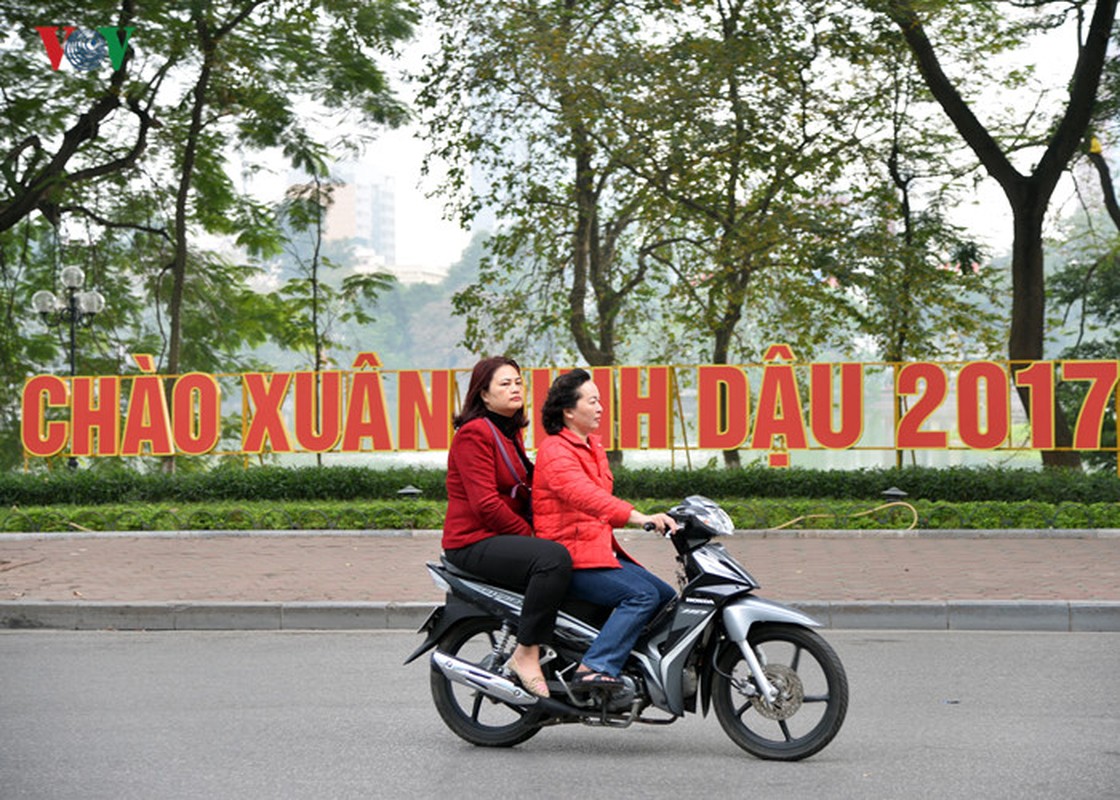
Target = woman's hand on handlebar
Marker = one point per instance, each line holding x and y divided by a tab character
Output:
657	522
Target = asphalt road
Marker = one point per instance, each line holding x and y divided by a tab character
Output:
251	715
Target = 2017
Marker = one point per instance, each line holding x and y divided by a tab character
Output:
983	393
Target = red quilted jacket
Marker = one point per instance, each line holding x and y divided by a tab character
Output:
572	500
479	485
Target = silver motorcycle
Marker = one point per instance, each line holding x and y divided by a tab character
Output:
778	688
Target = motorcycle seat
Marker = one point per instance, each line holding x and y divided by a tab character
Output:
589	612
459	572
454	570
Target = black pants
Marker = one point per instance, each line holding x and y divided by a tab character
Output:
541	567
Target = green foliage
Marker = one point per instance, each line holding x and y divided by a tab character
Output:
514	96
685	169
952	485
716	173
403	332
124	172
89	487
789	514
233	498
1087	293
905	291
738	118
800	513
215	516
1056	123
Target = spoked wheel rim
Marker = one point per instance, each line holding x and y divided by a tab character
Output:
812	694
472	715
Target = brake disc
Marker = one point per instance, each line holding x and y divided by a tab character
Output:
791	693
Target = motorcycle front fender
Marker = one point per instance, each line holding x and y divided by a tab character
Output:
738	617
741	614
441	620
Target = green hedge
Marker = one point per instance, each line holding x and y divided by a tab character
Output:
955	484
96	486
107	485
801	513
428	514
325	515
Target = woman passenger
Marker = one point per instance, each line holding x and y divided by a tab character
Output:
574	505
486	530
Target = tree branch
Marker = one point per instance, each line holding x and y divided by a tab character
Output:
1082	95
112	224
1107	189
36	188
970	128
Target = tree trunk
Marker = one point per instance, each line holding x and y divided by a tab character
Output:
179	257
598	350
721	354
1028	314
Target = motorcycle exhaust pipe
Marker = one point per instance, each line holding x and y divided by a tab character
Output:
488	683
495	686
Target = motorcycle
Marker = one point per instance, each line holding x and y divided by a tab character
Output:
778	688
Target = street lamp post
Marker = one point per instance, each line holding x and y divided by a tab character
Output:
76	309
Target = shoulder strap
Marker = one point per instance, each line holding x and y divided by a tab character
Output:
504	453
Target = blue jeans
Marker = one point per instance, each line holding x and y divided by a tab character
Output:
636	595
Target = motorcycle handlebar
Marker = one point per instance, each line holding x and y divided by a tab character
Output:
649	526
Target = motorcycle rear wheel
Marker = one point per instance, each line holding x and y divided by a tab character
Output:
470	714
813	700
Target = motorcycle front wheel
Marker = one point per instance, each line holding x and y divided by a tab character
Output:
469	713
812	700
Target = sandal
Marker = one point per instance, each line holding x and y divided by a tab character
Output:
589	679
535	686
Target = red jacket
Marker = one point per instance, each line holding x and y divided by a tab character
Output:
572	500
479	486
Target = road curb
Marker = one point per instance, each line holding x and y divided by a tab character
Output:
629	533
962	615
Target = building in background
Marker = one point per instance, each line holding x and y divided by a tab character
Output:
364	210
363	215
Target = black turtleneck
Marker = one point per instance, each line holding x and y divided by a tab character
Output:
505	424
509	428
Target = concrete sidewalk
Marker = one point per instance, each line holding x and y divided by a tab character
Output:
979	580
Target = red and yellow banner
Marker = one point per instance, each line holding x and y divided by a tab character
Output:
779	406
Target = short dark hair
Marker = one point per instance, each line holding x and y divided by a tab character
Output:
562	395
481	375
